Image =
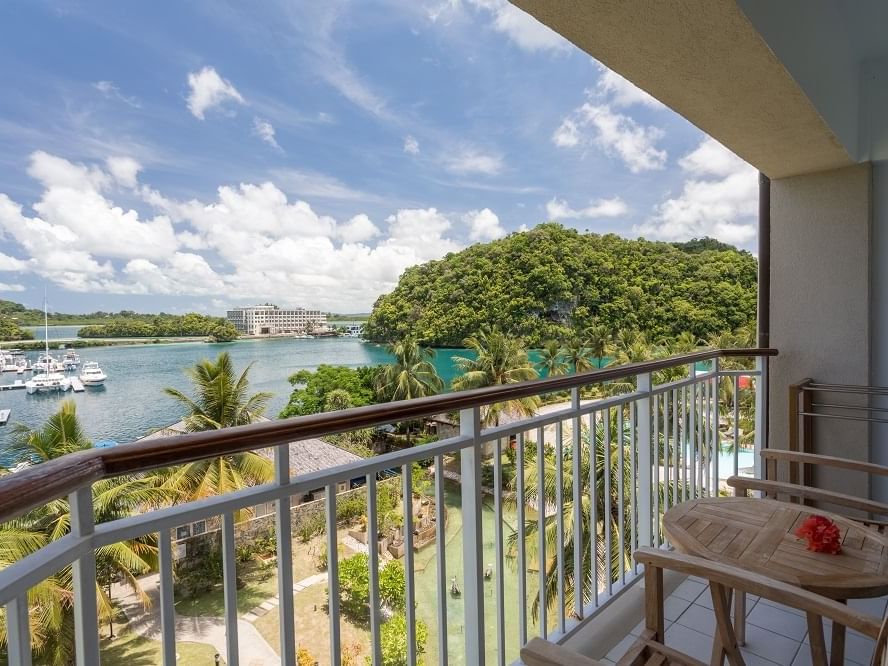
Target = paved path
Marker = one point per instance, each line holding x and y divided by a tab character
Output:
254	650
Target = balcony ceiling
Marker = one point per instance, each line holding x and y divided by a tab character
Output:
714	65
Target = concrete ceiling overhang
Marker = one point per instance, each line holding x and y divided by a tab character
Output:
706	61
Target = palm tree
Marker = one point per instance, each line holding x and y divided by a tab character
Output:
598	341
578	355
412	375
220	401
498	360
51	602
609	516
552	361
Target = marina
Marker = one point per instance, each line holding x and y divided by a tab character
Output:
131	402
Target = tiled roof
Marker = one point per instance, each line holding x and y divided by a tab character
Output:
306	455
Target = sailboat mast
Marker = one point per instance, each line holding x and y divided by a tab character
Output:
45	326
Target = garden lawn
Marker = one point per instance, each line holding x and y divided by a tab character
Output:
312	627
259	585
130	649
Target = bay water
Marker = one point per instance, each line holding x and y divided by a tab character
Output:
132	403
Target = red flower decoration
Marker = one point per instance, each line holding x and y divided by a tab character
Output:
822	534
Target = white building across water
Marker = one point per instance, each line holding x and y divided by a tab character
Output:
271	320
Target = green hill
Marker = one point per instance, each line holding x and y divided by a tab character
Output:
550	281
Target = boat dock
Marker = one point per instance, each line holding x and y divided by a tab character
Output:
4	416
77	385
17	384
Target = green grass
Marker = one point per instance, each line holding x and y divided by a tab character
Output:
130	649
258	587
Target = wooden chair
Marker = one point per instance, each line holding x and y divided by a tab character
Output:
777	489
650	648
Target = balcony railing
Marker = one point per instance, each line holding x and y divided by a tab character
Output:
617	452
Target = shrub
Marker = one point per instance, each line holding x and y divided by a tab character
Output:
393	639
354	586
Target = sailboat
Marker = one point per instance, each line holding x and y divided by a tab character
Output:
49	379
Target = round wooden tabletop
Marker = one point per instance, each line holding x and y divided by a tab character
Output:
759	535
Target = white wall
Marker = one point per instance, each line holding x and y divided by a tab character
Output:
820	305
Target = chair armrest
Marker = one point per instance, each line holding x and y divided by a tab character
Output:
773	488
538	652
824	461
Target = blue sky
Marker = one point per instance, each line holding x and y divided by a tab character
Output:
192	156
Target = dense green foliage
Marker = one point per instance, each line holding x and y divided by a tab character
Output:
10	329
162	326
354	585
549	282
393	640
311	389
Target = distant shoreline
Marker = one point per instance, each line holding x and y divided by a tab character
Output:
81	343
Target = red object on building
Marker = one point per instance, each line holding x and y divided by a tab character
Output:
744	382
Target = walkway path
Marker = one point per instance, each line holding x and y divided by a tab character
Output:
254	650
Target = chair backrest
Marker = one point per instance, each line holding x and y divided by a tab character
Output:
725	580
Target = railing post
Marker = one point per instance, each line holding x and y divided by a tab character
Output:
167	606
18	631
715	445
86	614
473	582
229	590
761	413
645	461
283	530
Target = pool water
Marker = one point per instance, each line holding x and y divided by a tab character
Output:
426	568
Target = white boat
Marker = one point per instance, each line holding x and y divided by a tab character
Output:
48	363
50	379
71	360
92	375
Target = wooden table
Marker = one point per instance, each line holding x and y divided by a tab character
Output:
759	535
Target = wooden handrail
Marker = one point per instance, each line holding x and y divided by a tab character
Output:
30	487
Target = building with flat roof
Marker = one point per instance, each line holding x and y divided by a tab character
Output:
269	319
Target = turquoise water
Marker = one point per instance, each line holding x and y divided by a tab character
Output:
132	402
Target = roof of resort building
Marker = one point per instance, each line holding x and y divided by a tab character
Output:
306	455
313	455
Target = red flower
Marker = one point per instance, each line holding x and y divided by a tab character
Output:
822	534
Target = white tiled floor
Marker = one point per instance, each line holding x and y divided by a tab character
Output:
775	634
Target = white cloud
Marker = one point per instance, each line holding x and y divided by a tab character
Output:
209	90
558	209
321	186
411	145
5	286
521	28
265	131
468	160
358	229
125	170
624	93
719	199
111	91
598	125
484	225
249	241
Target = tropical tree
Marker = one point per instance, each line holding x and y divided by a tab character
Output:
598	340
498	360
552	361
221	400
50	602
578	355
613	493
412	375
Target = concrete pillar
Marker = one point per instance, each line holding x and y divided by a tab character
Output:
820	302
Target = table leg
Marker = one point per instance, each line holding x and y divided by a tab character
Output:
740	617
837	649
718	652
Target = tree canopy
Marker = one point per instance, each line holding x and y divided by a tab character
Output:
549	282
311	389
162	325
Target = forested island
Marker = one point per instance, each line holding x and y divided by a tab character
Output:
551	282
163	326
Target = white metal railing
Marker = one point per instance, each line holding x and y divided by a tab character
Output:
650	446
